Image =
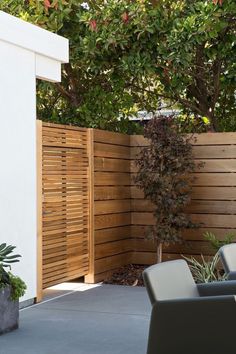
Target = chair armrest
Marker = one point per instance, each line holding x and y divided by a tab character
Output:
201	309
201	303
196	320
231	276
193	314
217	288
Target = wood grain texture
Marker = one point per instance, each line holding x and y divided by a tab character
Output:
108	137
197	139
111	179
112	206
111	151
112	234
142	231
112	262
103	164
113	248
112	193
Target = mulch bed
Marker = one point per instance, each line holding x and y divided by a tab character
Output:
128	275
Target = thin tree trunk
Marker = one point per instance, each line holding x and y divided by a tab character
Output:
159	252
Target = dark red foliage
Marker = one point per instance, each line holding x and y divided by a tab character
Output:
164	174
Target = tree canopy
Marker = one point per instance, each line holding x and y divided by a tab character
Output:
128	55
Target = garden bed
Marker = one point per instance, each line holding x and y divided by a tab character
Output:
128	275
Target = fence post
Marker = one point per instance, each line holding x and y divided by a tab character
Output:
90	278
39	127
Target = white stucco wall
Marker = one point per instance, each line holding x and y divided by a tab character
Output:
26	52
18	158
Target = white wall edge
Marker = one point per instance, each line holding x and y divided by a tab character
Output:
47	68
23	34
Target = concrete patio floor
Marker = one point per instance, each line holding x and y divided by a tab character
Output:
106	319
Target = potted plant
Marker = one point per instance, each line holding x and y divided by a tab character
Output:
11	289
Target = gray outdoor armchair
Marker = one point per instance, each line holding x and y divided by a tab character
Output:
228	258
188	318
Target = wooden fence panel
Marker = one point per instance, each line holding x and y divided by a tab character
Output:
65	221
112	204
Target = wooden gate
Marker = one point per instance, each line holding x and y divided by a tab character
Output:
65	203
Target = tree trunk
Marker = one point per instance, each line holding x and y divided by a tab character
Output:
159	252
215	123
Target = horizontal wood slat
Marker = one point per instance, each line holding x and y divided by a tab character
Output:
112	262
142	231
196	139
111	151
111	165
214	179
111	206
112	220
205	193
111	179
210	165
149	258
196	206
190	247
112	192
112	234
112	248
108	137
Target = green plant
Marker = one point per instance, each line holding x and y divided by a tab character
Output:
164	175
205	271
17	285
215	242
134	54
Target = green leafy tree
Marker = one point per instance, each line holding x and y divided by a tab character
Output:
164	175
183	52
133	55
88	95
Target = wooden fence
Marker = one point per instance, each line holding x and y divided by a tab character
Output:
95	219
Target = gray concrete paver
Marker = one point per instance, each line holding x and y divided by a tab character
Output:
104	320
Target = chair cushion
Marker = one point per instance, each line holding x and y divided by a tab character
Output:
169	280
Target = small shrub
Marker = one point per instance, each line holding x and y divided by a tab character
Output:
17	285
205	271
215	242
164	175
